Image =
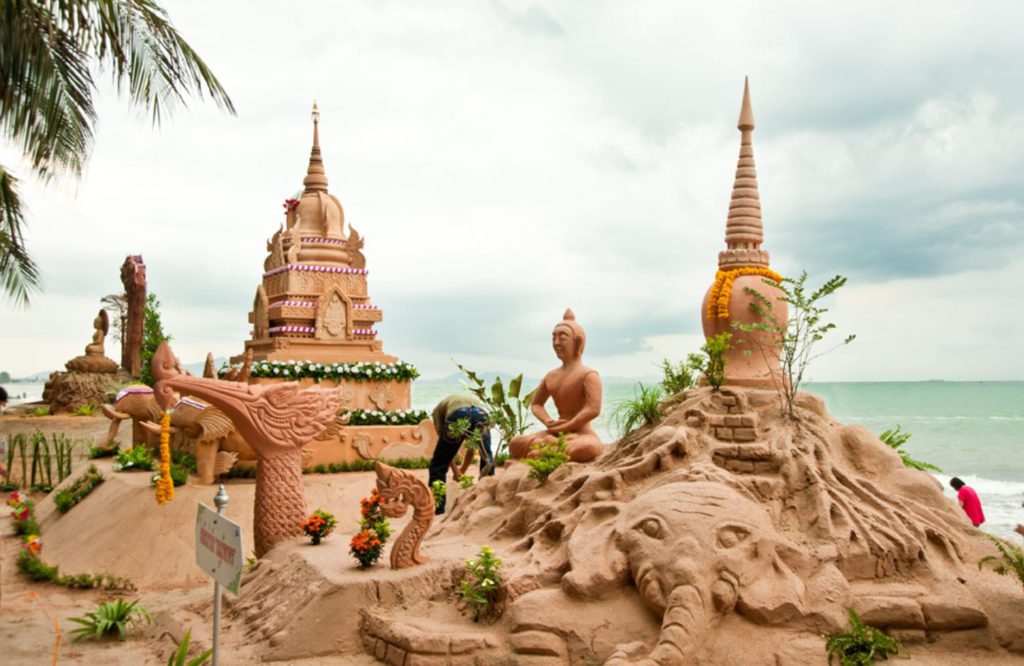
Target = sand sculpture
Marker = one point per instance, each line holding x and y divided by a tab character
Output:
276	421
89	378
576	390
133	277
743	264
312	315
399	491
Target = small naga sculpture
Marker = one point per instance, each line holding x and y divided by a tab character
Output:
276	421
576	390
398	490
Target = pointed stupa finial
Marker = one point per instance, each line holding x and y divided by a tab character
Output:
316	177
743	229
569	315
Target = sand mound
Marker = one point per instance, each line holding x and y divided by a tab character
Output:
725	535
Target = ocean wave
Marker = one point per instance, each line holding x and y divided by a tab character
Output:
988	486
926	418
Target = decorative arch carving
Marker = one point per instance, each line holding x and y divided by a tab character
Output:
334	316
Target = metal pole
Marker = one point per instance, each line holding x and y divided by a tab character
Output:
221	501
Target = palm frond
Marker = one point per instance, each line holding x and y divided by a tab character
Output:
18	273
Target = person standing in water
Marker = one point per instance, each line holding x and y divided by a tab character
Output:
968	501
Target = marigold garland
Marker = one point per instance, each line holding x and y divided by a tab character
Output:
721	290
164	485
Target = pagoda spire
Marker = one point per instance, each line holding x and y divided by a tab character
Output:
316	177
743	229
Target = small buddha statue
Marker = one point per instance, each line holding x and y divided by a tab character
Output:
576	390
94	359
101	324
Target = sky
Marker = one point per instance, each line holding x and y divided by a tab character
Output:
506	160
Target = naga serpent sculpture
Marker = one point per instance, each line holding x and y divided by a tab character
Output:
398	490
276	421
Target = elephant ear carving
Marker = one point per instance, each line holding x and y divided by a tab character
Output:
598	565
776	595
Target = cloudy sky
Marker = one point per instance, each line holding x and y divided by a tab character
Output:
507	159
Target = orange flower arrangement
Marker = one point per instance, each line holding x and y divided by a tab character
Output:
366	547
319	525
32	545
721	290
164	485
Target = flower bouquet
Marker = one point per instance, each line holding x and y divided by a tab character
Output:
366	547
319	525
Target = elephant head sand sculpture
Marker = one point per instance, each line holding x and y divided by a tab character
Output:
695	551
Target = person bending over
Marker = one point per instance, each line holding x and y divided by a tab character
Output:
968	501
446	414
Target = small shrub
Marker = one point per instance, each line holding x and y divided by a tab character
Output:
500	459
713	365
678	377
481	588
366	547
440	491
319	525
406	463
110	618
136	459
179	475
552	455
35	569
467	481
642	409
78	490
31	564
23	514
86	410
237	472
371	517
180	655
185	460
896	438
99	452
40	411
861	645
1010	559
8	486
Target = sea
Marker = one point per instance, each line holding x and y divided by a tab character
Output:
973	430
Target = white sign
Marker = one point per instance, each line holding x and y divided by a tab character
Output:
219	547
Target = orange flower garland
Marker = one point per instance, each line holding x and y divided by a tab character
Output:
164	485
721	290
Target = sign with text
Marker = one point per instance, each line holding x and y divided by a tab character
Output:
219	547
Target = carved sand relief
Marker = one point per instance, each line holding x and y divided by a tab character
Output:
399	491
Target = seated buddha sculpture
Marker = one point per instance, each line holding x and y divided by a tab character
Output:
94	360
576	390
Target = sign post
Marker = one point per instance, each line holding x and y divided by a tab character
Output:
219	554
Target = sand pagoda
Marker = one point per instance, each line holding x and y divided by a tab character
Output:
313	321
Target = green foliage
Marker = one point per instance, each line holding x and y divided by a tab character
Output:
551	456
99	452
86	410
793	340
467	481
861	645
35	569
185	460
712	365
507	409
110	618
678	377
642	409
481	587
1010	559
341	467
896	438
439	489
25	519
178	474
136	459
237	472
180	655
462	430
45	461
40	411
152	336
78	490
374	417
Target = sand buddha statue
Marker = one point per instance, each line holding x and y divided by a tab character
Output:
94	359
576	390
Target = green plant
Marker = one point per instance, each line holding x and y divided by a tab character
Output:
374	417
179	475
861	645
180	655
35	569
1009	561
99	452
712	363
78	490
462	430
87	409
335	372
507	410
550	456
896	438
678	377
184	460
63	449
642	409
40	411
152	336
366	546
481	587
110	617
134	459
24	516
319	525
467	481
440	490
794	339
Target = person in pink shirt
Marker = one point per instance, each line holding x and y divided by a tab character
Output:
968	500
